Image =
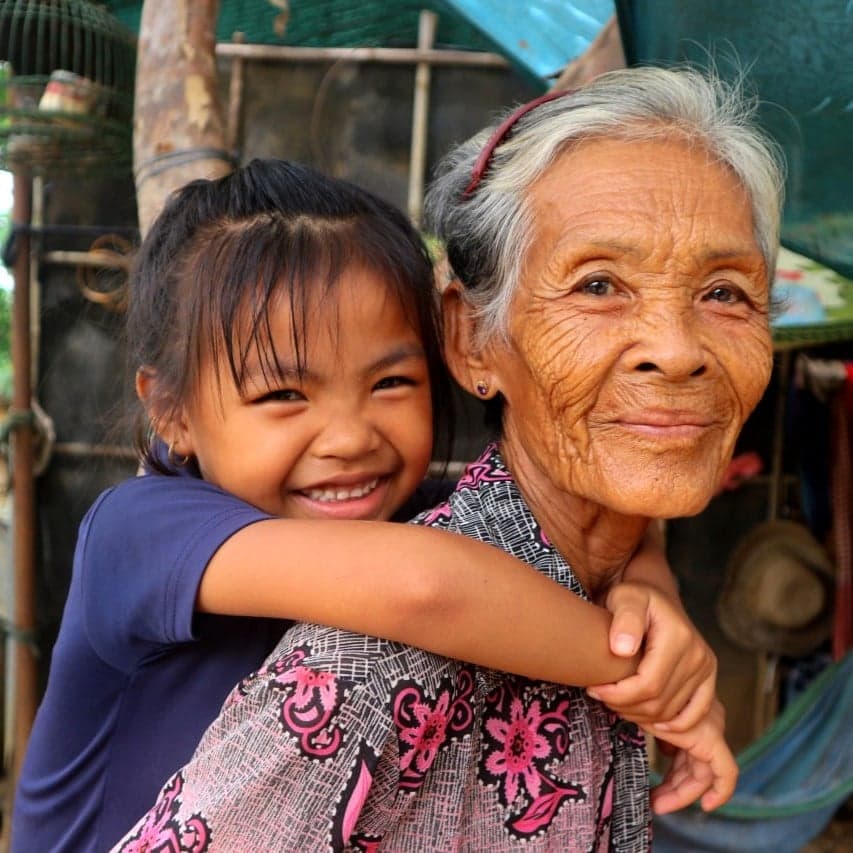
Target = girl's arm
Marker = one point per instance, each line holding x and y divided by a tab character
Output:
428	588
675	683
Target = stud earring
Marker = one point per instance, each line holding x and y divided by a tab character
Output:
175	459
482	388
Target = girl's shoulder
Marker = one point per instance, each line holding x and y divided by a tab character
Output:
151	506
152	491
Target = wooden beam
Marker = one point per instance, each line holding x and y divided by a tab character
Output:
179	128
387	55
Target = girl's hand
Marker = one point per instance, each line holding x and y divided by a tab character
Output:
675	683
702	767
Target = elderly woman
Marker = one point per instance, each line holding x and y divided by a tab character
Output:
611	252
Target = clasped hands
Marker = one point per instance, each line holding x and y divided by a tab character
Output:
672	696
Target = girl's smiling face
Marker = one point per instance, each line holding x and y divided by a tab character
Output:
347	437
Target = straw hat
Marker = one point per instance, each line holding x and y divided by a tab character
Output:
777	593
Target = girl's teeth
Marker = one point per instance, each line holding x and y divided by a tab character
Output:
328	495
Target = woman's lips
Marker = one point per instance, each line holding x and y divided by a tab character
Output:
661	424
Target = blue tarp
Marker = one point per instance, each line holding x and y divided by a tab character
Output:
541	36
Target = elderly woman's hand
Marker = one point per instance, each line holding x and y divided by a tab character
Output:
675	683
702	767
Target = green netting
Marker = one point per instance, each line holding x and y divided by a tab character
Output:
798	56
330	23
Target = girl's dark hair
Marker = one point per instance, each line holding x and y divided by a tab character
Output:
225	250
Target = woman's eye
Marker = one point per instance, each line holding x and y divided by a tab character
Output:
724	293
597	287
393	382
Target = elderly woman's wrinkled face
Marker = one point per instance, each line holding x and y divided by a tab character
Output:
639	336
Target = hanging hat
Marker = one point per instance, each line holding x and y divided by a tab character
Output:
777	592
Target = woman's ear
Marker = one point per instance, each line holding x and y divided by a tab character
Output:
466	360
168	421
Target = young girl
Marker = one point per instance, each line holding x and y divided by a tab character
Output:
284	330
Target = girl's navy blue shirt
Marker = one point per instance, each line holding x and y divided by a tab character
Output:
136	674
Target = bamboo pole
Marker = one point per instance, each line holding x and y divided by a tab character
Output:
23	503
384	55
427	24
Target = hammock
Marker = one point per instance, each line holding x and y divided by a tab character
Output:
792	779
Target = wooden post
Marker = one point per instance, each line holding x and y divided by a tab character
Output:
23	503
179	129
420	112
235	98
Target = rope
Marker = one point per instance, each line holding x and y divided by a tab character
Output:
163	162
37	420
25	636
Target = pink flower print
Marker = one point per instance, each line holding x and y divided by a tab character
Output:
160	830
425	725
437	512
308	711
427	735
482	470
312	687
519	743
273	670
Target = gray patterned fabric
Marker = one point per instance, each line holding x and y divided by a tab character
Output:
346	742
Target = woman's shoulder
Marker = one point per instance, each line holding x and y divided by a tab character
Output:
428	494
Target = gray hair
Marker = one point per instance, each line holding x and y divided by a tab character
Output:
487	232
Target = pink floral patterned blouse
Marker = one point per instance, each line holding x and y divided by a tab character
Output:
347	742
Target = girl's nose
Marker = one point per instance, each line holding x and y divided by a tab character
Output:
669	344
347	436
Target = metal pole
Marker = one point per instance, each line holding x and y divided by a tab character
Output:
417	158
23	503
774	499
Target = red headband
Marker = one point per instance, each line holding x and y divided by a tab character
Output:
501	132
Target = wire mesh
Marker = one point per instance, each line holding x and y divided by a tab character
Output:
66	87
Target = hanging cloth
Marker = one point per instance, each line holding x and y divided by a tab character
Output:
842	406
792	779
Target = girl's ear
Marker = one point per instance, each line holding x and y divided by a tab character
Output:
467	361
169	423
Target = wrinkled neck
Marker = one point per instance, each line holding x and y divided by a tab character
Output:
595	541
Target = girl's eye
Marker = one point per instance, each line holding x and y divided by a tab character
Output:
282	395
393	382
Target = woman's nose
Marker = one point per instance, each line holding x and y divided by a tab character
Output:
670	345
346	435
